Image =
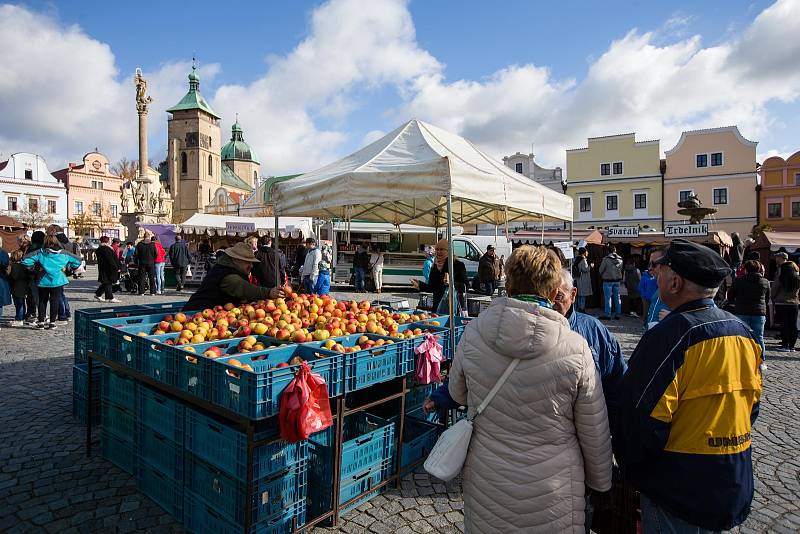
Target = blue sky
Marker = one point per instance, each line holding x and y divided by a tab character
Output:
532	72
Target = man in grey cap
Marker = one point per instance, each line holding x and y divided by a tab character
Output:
689	399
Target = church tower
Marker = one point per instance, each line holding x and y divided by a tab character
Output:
193	152
240	157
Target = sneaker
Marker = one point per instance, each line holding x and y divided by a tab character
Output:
633	314
41	326
763	367
51	326
783	349
99	299
62	320
31	322
17	323
115	299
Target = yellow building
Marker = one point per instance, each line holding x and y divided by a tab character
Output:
719	166
615	181
780	193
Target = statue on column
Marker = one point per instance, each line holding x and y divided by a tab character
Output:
142	100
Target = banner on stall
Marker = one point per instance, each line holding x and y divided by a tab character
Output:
379	238
240	227
686	230
622	231
566	249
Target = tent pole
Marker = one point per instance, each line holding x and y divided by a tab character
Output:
278	281
451	277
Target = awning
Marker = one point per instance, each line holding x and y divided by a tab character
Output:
370	227
775	241
533	237
208	224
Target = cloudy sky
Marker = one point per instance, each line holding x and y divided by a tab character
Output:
312	81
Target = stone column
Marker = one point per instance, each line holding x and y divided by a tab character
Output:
143	144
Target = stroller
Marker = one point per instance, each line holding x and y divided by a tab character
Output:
129	279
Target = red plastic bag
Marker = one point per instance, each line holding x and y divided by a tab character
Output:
305	408
429	360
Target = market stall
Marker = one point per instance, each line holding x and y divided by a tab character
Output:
768	243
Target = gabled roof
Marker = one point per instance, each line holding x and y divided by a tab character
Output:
733	129
230	179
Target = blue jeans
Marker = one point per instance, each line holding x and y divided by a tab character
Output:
656	520
611	292
361	275
160	276
308	285
19	304
581	303
756	324
63	307
488	288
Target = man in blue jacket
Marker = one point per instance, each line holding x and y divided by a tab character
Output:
648	289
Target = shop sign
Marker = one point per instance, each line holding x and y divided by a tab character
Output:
622	231
379	238
240	227
566	249
686	230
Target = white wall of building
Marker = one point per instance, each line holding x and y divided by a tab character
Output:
24	178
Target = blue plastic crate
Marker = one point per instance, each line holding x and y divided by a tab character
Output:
118	420
373	365
226	448
118	450
160	413
419	437
79	409
416	396
444	322
226	495
320	492
164	490
367	440
159	360
418	413
119	389
201	518
80	380
257	394
160	452
83	324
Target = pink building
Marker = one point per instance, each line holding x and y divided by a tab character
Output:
93	190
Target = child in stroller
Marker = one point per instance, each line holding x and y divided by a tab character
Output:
129	278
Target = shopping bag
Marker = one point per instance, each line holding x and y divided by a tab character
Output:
305	408
428	360
444	305
448	455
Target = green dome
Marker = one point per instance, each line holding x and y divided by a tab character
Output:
236	148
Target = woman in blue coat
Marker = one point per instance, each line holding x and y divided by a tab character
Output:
52	262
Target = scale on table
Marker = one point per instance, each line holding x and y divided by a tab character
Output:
476	303
393	303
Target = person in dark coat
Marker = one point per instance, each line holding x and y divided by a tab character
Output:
108	268
487	274
146	259
749	295
360	267
179	258
20	281
438	280
268	261
299	260
32	297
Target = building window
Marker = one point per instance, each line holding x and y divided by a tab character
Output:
716	159
585	204
612	203
12	203
605	169
702	160
618	167
684	195
184	164
78	207
720	195
640	201
774	210
255	177
97	185
210	166
797	178
33	205
28	174
114	210
518	167
97	209
795	209
51	207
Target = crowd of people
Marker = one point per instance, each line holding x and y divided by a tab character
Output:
676	419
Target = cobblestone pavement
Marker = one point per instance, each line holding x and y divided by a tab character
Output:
48	485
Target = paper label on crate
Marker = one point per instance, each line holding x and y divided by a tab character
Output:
234	388
193	382
265	498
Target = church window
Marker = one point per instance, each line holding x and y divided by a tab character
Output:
210	166
255	177
184	164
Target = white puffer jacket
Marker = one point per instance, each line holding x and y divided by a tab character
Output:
544	435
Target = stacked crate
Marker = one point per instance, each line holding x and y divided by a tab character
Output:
118	407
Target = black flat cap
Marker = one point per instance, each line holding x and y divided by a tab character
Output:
696	263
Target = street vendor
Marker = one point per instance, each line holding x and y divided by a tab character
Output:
438	280
227	281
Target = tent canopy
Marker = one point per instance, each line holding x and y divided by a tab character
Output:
404	177
775	241
371	227
534	237
211	225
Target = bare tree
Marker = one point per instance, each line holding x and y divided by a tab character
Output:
32	219
104	219
126	168
81	224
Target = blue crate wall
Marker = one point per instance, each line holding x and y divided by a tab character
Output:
367	440
160	413
79	391
164	490
201	518
118	450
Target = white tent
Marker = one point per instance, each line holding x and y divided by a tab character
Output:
211	225
406	176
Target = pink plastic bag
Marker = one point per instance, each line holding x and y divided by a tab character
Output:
429	359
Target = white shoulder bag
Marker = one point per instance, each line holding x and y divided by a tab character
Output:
447	457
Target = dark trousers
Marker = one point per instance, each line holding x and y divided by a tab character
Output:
63	307
180	277
147	272
105	289
787	315
51	295
488	287
19	308
32	301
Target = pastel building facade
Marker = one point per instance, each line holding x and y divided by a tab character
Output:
780	193
27	186
615	181
93	190
719	166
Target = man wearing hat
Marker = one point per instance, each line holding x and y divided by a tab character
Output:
689	399
487	272
227	281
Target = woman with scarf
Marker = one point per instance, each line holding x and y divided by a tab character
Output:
438	279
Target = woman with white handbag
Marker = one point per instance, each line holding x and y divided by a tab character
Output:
537	431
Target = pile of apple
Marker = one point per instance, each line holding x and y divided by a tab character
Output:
362	343
297	318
